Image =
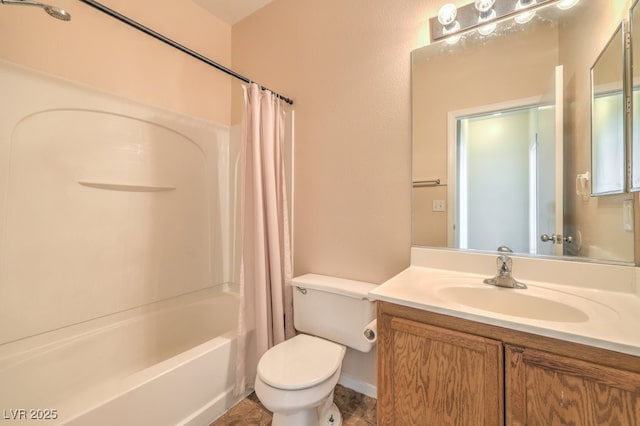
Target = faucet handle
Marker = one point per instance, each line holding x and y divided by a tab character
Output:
504	264
503	276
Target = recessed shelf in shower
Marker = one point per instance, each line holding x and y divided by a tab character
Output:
127	187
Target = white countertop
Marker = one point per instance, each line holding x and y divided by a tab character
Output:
605	319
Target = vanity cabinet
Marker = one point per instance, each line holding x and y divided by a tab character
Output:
435	369
545	389
435	376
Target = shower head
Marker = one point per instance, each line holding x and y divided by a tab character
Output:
56	12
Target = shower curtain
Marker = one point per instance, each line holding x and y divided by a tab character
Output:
265	317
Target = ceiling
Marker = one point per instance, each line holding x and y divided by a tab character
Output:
232	11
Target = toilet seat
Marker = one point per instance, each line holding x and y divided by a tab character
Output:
300	362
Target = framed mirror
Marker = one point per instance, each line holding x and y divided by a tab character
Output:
608	118
634	30
539	75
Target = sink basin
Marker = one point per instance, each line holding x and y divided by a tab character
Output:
533	303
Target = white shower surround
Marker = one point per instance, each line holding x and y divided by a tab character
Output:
101	322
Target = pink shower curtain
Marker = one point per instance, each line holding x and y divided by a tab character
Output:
265	317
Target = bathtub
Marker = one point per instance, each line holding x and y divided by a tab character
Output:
168	363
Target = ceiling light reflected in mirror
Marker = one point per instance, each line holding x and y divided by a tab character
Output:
525	17
567	4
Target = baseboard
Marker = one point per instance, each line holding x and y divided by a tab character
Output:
358	386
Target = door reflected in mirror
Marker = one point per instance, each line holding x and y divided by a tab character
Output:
500	182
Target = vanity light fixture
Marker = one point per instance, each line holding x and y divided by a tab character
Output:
453	22
486	13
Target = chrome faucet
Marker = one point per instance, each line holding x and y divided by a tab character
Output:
503	276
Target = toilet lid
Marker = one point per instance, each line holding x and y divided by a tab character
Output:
300	362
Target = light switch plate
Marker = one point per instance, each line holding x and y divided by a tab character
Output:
438	205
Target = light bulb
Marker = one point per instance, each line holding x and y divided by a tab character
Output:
447	14
453	39
483	6
567	4
453	28
524	17
489	28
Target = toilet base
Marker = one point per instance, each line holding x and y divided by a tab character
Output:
303	417
330	416
321	416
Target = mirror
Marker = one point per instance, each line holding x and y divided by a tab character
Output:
634	29
512	76
608	105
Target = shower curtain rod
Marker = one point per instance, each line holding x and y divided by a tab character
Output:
176	45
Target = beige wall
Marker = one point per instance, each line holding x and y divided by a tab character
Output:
102	52
346	64
429	227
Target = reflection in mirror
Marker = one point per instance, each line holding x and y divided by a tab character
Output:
607	118
634	28
457	89
500	177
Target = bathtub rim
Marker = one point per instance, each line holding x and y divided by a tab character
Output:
81	405
31	346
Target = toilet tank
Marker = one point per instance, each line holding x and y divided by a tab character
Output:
333	308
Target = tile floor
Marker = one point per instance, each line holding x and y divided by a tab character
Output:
357	410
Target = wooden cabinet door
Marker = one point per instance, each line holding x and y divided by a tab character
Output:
546	389
432	376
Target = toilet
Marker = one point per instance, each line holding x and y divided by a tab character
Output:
296	378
